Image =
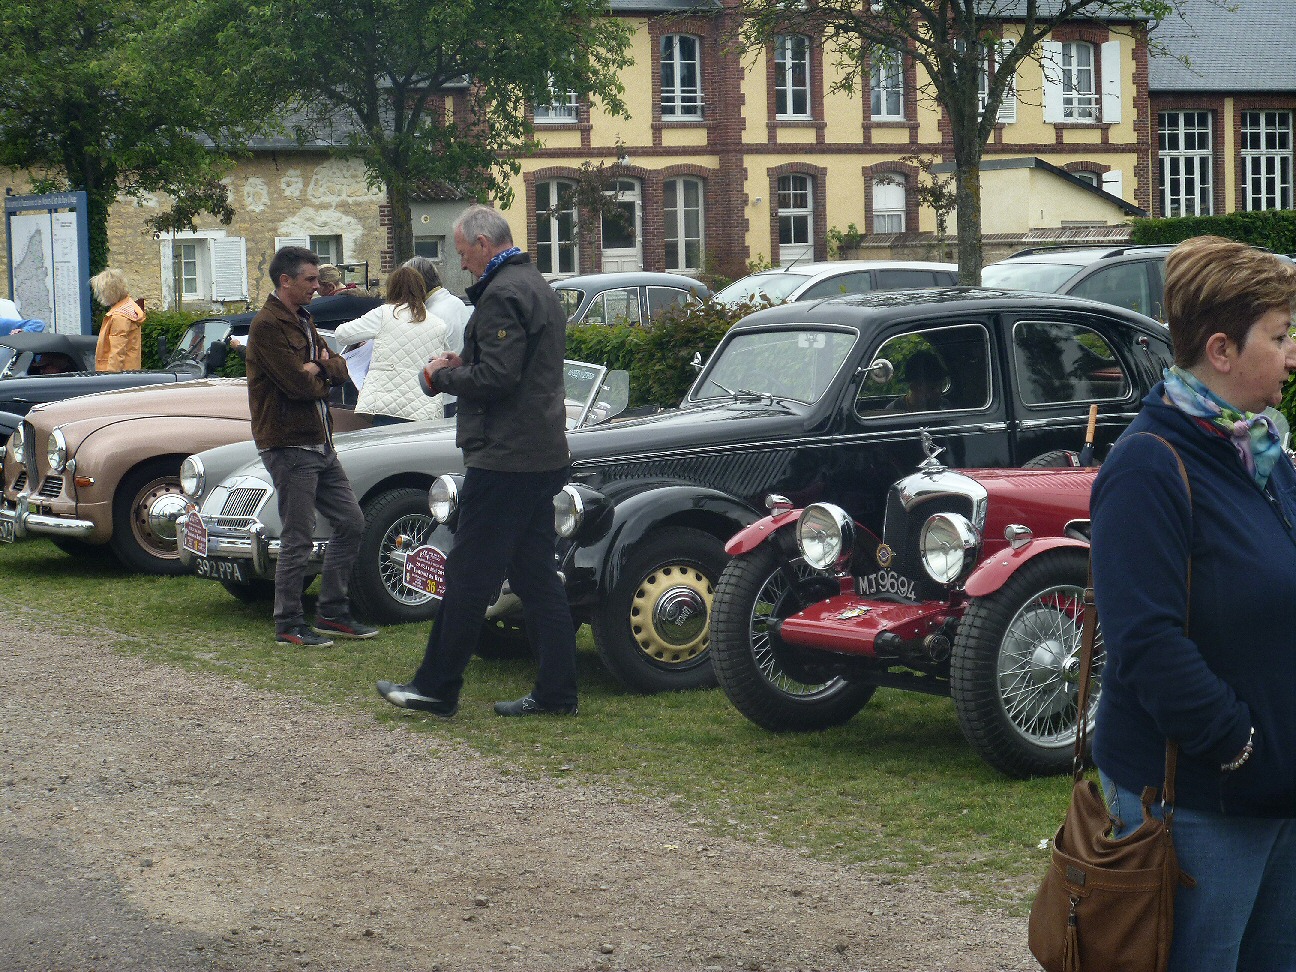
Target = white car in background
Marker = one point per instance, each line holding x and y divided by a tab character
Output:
815	281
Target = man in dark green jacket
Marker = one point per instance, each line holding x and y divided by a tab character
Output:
290	373
511	426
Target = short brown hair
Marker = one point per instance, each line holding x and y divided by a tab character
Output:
405	286
1219	286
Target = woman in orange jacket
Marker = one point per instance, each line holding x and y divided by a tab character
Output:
119	338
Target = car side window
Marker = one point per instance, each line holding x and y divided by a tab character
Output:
936	370
894	279
615	307
1125	285
860	282
1060	363
662	299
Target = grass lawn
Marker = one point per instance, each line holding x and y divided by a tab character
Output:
897	788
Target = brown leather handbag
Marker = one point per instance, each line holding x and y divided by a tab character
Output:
1107	905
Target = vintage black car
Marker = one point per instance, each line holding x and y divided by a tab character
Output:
811	401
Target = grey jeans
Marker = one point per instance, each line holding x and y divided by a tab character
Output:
306	481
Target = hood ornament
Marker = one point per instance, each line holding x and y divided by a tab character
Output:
931	450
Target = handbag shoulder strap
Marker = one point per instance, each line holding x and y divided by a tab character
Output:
1087	637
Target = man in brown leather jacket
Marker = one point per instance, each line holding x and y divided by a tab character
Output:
511	426
290	373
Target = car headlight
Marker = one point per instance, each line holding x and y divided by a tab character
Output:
948	545
19	443
825	536
443	498
192	477
569	512
56	451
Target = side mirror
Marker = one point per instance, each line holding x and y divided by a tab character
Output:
879	372
162	347
696	363
217	355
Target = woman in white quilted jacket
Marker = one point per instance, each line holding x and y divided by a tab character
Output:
405	338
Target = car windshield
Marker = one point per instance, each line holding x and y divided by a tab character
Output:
7	356
571	299
200	336
795	365
1044	278
774	286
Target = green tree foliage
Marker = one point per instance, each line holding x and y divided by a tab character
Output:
433	96
956	44
96	97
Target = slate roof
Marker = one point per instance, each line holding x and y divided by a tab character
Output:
1250	49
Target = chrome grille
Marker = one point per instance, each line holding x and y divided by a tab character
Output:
52	487
20	482
233	523
242	502
29	436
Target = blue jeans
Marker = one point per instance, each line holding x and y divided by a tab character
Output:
1242	914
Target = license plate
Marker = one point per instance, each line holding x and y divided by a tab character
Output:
221	570
6	531
194	537
425	571
885	582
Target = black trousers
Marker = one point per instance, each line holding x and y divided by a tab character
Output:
505	528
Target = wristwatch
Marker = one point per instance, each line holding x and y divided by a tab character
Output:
1242	757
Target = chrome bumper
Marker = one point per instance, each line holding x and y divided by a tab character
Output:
251	545
26	522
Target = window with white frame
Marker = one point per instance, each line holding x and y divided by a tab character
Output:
204	266
1186	163
792	76
1267	159
1090	177
681	77
327	248
429	246
795	218
887	85
556	226
1079	92
994	57
889	203
682	209
186	268
561	107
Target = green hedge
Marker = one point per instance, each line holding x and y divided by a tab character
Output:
658	357
1274	229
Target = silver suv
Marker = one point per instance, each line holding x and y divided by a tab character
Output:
1127	276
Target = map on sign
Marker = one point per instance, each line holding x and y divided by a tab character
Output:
47	253
33	268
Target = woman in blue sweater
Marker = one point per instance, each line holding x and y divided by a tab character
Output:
1226	690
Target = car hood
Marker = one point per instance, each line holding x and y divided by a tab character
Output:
203	398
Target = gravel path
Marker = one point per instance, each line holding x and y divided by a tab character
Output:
157	819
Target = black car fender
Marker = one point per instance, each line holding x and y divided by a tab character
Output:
594	568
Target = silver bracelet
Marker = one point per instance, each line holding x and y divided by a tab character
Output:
1243	756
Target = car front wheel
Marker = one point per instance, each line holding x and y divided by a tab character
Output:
1014	672
652	628
145	509
395	521
776	687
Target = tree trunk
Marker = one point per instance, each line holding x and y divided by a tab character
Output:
968	201
402	226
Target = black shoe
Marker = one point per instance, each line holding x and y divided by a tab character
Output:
408	697
526	706
302	636
344	627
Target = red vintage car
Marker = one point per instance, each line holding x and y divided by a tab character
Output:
975	590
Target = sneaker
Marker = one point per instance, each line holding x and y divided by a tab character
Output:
408	697
303	636
527	706
344	627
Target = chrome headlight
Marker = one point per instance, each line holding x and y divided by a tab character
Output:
19	443
825	536
443	498
948	545
56	451
569	512
192	477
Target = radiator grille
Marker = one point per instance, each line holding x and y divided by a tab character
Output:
52	487
243	502
20	482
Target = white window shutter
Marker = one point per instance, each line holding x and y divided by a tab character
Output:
168	273
1051	64
229	268
1111	82
1112	182
1008	107
282	241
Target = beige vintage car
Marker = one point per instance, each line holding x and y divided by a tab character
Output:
105	468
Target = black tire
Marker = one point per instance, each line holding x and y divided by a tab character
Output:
145	507
378	592
502	641
80	549
651	629
767	682
1014	669
1057	459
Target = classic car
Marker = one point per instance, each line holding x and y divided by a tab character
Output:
627	297
231	533
815	281
974	590
105	468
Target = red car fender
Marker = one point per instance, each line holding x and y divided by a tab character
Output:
993	572
750	537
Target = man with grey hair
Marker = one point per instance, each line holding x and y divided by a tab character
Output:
511	426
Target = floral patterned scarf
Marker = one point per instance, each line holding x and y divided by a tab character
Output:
1258	437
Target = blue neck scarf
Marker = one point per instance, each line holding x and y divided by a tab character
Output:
1258	437
495	262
